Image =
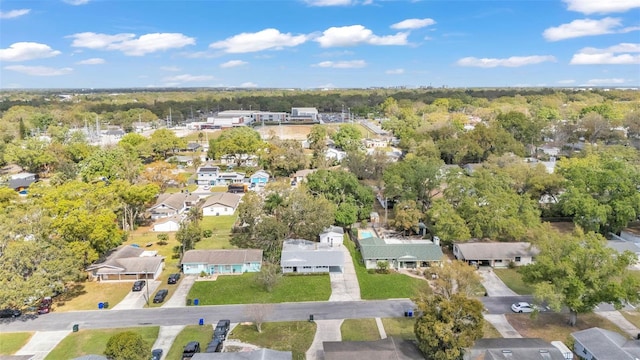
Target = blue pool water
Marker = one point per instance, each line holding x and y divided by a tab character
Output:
365	234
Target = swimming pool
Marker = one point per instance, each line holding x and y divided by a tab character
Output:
365	234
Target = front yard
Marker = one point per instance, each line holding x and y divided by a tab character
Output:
513	279
12	342
200	333
294	336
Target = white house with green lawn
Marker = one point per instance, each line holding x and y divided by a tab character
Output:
399	253
220	262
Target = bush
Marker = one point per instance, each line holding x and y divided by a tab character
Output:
207	233
203	273
126	345
383	267
512	265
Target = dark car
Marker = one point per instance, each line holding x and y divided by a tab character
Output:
214	346
190	349
138	285
10	313
221	330
160	295
156	354
173	279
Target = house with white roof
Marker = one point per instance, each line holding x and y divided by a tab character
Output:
596	343
332	236
495	254
259	178
304	257
221	204
168	224
172	204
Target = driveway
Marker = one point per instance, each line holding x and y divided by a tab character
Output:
345	286
41	343
493	285
179	297
326	330
166	336
502	325
138	299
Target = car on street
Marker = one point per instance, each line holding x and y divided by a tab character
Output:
138	285
523	307
160	295
173	279
10	313
156	354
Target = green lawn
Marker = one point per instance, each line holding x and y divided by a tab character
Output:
221	227
294	336
513	279
490	332
383	286
359	330
400	327
12	342
243	289
632	316
86	342
202	334
87	295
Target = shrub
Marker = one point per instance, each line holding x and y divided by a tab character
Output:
383	267
126	345
207	233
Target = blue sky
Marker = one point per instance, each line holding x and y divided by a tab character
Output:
318	43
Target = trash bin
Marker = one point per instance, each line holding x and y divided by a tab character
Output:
196	302
76	327
201	322
311	317
410	313
106	304
188	302
100	305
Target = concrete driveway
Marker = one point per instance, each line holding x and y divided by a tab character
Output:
180	292
502	325
138	299
41	343
166	336
493	285
345	286
326	330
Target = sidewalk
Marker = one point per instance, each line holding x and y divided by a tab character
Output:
619	320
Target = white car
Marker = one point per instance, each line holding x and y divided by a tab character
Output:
523	307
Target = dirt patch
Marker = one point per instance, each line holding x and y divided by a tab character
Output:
285	132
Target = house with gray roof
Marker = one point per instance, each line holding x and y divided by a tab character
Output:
168	205
221	204
259	354
495	254
514	348
304	257
21	181
399	253
127	262
219	262
596	343
333	236
384	349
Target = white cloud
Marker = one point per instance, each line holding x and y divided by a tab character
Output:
357	34
233	63
413	24
601	6
584	27
187	78
605	81
248	84
329	2
129	45
92	61
170	68
22	51
39	70
13	13
621	54
395	71
262	40
566	82
76	2
352	64
514	61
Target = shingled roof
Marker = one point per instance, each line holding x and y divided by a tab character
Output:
416	250
222	257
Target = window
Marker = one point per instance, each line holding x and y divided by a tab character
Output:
518	258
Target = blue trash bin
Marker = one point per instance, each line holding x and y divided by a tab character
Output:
196	302
201	322
100	305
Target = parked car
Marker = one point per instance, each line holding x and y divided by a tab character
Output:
190	349
160	295
45	305
10	313
138	285
156	354
173	278
523	307
214	346
221	330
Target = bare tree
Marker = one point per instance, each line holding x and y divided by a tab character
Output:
258	313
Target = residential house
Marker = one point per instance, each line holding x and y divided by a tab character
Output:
247	160
227	178
172	204
127	262
259	178
207	174
495	254
181	160
258	354
301	175
168	224
304	257
221	204
515	348
21	181
398	253
335	154
333	236
598	344
385	349
375	143
219	262
193	146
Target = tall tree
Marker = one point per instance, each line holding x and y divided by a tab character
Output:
342	187
446	223
165	141
456	277
126	345
447	326
238	142
110	164
407	216
348	137
579	271
413	178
